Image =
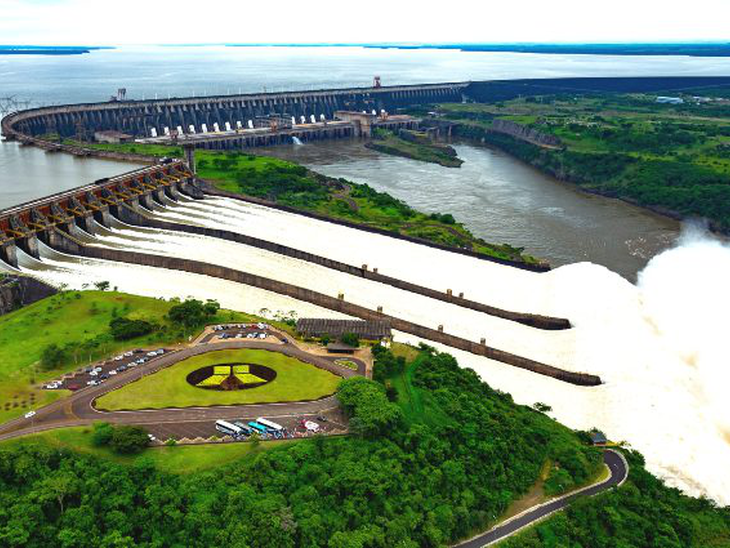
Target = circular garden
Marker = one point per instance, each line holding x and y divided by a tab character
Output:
231	376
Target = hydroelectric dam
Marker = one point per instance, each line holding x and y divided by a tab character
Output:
164	219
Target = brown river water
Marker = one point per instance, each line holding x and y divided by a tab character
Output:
504	201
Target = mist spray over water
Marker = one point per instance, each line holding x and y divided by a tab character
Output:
662	348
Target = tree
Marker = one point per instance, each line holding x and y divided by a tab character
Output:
350	339
123	329
193	313
53	356
366	402
129	439
102	286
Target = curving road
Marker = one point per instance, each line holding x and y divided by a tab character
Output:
619	470
78	409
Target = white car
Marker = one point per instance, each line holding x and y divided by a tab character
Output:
94	373
151	437
262	335
29	414
113	372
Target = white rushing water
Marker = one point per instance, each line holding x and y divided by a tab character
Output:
657	345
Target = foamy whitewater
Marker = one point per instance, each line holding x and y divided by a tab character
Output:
659	346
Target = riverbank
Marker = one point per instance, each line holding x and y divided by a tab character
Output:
414	145
673	160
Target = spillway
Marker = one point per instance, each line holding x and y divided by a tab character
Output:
484	281
551	347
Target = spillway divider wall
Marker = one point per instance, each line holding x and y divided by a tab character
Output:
62	242
131	216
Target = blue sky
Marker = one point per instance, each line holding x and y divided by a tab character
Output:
102	22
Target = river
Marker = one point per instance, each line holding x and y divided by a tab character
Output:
504	201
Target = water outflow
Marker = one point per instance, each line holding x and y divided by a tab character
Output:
480	280
551	347
296	141
661	347
658	345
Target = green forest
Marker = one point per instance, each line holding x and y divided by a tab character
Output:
435	455
672	158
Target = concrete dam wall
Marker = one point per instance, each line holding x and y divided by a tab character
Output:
137	118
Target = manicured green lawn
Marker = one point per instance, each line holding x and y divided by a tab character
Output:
71	318
295	381
178	459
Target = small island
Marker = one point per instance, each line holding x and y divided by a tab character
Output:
417	145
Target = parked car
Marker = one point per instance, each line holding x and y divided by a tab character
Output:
30	414
94	373
103	376
113	372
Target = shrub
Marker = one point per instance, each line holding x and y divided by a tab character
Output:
123	329
102	434
127	440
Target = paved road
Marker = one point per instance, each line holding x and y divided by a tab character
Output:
78	409
619	472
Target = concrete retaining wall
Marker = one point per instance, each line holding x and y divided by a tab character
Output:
18	291
64	243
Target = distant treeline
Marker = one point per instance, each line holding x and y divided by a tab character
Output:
691	49
47	50
504	90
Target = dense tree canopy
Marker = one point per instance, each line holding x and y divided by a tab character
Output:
426	479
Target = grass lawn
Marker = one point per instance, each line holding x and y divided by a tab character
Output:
295	381
178	459
75	318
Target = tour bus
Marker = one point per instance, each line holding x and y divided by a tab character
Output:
227	428
270	424
244	428
260	428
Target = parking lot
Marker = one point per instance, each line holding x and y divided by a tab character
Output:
257	331
100	372
328	422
